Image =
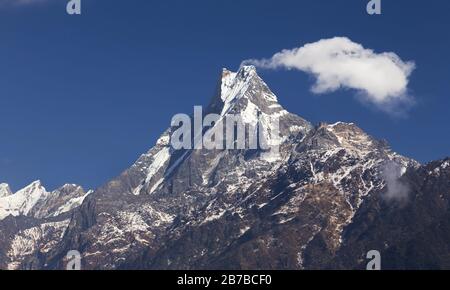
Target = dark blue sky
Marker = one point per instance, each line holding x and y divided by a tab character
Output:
81	97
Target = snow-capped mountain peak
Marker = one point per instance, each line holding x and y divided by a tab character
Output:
243	94
245	84
246	94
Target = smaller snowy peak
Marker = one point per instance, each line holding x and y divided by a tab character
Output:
59	201
352	137
35	201
4	190
35	189
340	136
23	201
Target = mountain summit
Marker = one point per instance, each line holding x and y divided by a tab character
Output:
321	203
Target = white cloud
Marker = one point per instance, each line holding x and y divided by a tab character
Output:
338	62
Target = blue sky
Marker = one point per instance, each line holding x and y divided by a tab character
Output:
81	97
